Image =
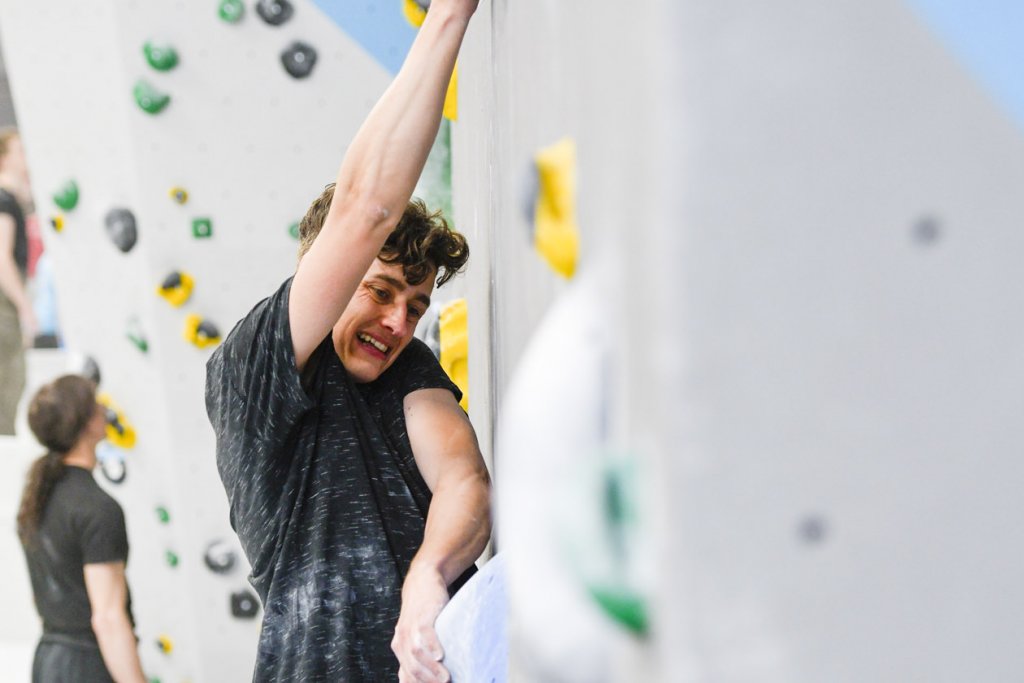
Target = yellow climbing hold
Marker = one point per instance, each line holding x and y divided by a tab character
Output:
199	332
556	235
455	346
57	221
413	12
176	288
165	644
119	432
451	98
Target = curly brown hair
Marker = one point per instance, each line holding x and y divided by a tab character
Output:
421	243
57	415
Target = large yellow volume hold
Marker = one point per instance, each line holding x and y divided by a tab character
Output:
455	346
556	235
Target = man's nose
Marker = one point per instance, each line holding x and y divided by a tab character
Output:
396	321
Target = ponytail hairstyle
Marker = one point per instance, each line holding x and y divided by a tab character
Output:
57	415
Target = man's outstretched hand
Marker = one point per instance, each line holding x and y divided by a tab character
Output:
416	644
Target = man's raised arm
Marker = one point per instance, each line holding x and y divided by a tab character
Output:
377	178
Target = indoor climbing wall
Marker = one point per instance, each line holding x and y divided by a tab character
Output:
792	389
174	146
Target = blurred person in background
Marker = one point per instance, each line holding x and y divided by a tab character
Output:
76	545
17	318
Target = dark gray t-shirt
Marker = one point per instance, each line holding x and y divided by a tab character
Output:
81	524
324	494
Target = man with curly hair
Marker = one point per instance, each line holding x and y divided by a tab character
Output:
355	480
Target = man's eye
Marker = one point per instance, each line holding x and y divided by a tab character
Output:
378	293
415	314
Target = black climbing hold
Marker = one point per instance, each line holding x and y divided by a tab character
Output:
927	231
113	421
274	12
171	281
91	370
219	557
114	470
813	530
244	605
208	330
298	59
121	228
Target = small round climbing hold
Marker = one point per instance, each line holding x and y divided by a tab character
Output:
57	222
176	288
274	12
149	99
172	558
813	529
927	231
160	57
121	228
231	11
201	333
178	194
165	644
202	228
293	230
244	605
219	557
299	59
66	197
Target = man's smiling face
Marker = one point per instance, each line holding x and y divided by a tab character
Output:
379	321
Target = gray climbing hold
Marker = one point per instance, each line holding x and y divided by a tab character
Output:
274	12
244	605
219	557
298	59
91	370
121	229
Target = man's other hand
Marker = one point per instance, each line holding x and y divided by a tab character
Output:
416	644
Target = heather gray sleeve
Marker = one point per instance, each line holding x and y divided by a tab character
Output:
255	402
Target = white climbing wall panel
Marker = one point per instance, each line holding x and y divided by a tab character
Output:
839	425
253	147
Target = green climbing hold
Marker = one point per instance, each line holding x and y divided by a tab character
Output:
67	196
161	58
293	230
149	99
172	559
231	11
624	607
163	515
202	228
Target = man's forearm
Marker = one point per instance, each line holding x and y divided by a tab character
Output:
458	525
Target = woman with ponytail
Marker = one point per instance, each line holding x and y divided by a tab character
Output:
75	542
